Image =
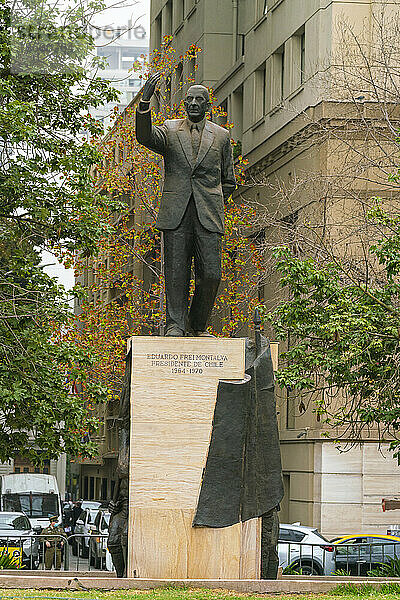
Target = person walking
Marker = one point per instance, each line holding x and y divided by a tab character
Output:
53	545
76	512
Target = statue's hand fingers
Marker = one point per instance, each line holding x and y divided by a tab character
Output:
154	79
150	81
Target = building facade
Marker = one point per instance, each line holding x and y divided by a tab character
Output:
124	51
266	62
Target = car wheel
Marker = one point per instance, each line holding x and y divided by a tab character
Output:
307	568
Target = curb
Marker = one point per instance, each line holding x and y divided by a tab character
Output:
245	586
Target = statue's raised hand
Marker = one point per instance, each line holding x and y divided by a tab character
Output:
150	86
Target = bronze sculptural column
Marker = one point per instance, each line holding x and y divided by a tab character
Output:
199	177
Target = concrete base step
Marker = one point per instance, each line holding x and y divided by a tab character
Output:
288	584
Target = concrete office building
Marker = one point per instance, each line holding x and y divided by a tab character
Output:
262	58
121	48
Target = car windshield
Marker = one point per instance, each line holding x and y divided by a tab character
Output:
14	522
33	505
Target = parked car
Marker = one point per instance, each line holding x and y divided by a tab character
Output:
17	538
84	527
304	549
359	553
98	543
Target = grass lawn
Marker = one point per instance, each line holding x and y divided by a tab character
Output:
389	591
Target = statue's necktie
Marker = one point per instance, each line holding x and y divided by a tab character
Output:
195	140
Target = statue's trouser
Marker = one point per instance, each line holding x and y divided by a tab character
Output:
118	541
191	241
269	545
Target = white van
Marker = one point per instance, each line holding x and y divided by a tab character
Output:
34	494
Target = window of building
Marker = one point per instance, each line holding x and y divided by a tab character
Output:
157	31
302	56
261	8
167	18
91	488
188	6
241	46
130	55
259	92
295	62
223	118
86	487
237	116
111	54
277	77
97	488
103	488
178	10
167	93
192	69
178	84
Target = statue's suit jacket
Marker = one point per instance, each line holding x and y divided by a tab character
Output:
209	176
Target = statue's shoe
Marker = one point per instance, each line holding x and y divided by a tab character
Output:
174	331
203	334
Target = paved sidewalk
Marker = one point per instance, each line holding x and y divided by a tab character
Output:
76	564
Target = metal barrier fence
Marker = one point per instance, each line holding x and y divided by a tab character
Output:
88	552
335	559
76	552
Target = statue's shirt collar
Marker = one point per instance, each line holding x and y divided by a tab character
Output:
199	124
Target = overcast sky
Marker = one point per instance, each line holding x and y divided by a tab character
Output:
121	11
113	17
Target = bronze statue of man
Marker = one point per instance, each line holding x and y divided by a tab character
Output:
199	177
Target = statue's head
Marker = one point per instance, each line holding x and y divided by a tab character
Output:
197	102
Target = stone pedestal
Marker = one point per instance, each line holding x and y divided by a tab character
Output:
173	393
